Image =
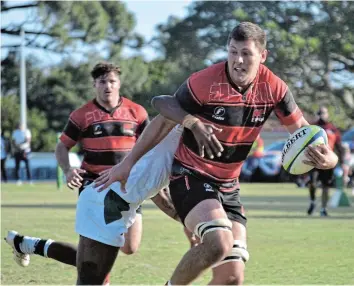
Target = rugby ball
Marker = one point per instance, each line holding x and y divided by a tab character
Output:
294	149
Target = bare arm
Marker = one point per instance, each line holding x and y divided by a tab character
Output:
62	155
73	175
169	107
300	123
157	130
163	201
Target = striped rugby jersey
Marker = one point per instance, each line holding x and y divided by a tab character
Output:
211	96
106	137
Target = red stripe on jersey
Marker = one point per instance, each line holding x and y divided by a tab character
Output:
292	118
234	134
221	172
109	143
67	141
96	169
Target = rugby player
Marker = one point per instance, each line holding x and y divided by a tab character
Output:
222	109
107	127
325	176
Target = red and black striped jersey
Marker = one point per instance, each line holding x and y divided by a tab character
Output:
211	96
106	137
333	134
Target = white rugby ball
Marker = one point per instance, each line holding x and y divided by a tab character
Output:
294	149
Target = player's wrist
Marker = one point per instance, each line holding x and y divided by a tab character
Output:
66	170
189	121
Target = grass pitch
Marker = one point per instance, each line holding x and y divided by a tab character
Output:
286	246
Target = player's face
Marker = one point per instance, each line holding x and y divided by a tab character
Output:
244	58
107	89
323	114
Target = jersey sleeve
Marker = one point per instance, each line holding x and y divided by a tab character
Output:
187	99
72	132
287	110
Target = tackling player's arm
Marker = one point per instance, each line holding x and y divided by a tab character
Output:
181	108
158	128
320	156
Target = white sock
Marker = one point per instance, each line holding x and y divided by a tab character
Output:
46	246
28	244
169	283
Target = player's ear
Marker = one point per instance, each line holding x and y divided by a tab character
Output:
264	55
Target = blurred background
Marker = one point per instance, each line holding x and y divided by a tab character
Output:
158	45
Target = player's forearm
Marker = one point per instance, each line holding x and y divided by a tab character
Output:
169	107
157	129
300	123
164	203
62	155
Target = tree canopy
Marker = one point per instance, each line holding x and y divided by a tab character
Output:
311	47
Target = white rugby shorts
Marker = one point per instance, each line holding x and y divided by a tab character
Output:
105	216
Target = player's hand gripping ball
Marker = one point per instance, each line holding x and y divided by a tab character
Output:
293	153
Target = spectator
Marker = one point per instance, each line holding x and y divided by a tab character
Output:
5	151
21	139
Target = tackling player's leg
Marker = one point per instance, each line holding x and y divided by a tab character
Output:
134	234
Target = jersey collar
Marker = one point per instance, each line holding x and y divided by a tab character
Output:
95	102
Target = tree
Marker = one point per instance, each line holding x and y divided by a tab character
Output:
314	58
59	26
43	139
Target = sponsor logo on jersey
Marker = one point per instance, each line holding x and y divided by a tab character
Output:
219	113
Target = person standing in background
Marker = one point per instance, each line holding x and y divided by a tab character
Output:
21	139
5	150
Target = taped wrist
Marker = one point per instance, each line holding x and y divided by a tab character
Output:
189	121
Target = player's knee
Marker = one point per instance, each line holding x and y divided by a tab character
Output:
236	278
219	244
89	274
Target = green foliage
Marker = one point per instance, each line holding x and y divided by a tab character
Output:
305	51
314	58
10	110
61	25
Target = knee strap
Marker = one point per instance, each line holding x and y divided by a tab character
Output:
218	224
238	253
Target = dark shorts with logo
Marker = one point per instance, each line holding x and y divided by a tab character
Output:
188	189
324	176
88	178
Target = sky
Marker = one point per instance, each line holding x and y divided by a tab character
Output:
148	15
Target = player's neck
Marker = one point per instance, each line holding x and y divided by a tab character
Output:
108	105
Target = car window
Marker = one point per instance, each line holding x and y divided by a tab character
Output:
276	146
348	136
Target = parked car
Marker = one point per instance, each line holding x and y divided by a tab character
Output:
266	168
348	137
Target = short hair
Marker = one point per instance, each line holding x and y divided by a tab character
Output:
249	31
104	68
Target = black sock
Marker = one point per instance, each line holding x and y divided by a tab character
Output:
17	240
312	193
39	247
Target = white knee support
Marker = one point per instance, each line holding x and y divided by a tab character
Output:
218	224
238	253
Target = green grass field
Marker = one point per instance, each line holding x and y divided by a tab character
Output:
286	246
